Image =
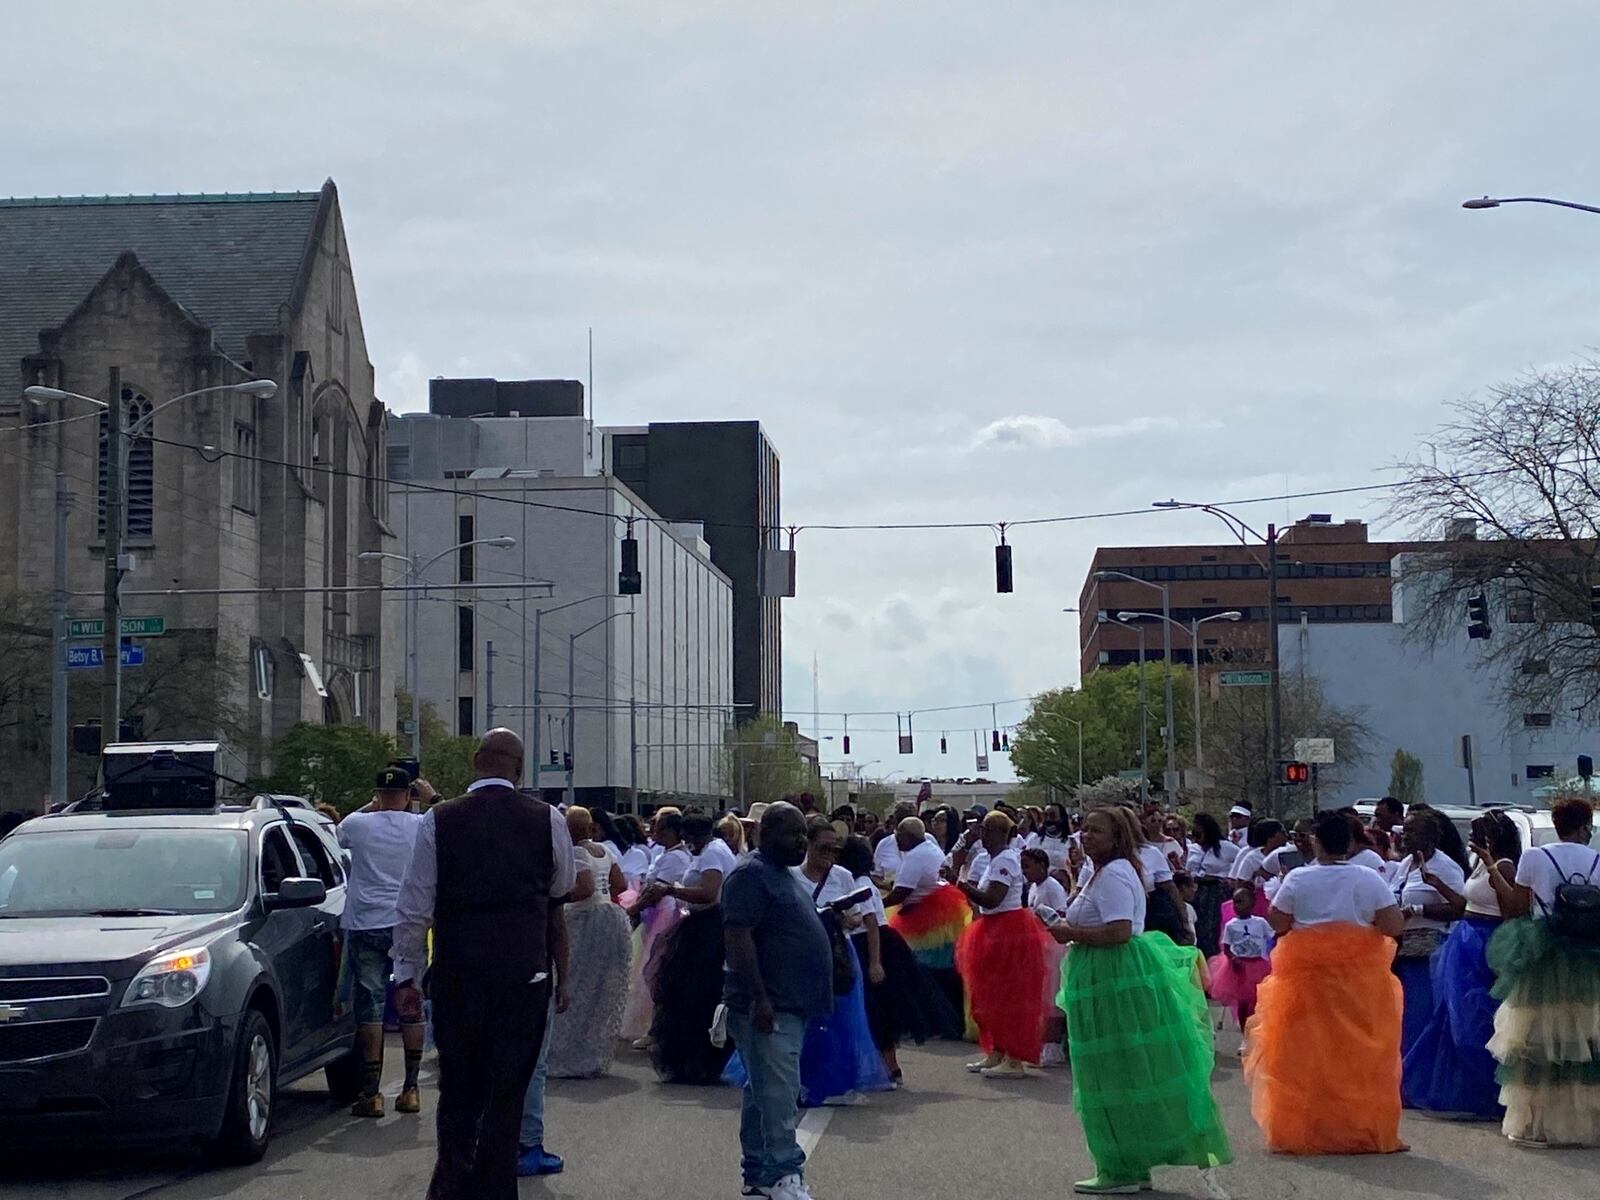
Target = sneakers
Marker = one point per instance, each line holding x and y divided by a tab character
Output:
409	1101
790	1187
645	1043
532	1160
1007	1068
983	1064
1104	1185
370	1107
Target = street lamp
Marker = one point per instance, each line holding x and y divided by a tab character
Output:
1232	614
1239	529
1166	654
118	442
1144	707
414	570
572	686
1496	202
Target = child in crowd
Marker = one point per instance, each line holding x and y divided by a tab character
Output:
1187	886
1243	964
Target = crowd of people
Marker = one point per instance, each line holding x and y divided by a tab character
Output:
1369	964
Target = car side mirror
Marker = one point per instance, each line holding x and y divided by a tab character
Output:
298	893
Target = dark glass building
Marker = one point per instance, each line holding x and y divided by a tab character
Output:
723	474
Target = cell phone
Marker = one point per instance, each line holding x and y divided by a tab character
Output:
850	901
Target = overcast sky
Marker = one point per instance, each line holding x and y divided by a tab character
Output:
963	261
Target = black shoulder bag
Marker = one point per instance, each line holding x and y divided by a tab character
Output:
844	959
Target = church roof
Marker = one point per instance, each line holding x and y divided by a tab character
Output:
230	260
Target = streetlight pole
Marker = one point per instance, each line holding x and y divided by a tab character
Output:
119	441
1169	781
414	569
1194	655
1239	529
538	706
1496	202
58	643
572	686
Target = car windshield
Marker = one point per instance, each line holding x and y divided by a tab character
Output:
122	872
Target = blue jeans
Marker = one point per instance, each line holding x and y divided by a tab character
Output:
771	1107
532	1133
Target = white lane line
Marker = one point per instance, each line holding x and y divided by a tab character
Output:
809	1132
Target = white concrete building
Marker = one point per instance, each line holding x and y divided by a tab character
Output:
651	698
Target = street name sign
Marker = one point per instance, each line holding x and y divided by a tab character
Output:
83	658
130	627
1245	678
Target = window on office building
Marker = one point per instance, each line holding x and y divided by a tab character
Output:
466	654
464	562
1537	720
464	716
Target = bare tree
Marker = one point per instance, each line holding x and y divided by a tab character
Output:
1510	488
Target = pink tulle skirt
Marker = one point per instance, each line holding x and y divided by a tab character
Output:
649	938
1236	987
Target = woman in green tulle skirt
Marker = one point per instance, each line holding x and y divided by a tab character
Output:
1137	1027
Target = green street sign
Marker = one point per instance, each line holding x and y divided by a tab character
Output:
1133	774
131	627
1245	678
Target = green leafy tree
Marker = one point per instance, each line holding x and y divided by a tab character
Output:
446	757
330	764
1405	778
762	763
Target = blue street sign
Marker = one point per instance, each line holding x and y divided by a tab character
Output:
83	658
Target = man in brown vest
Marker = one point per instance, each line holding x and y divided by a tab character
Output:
488	872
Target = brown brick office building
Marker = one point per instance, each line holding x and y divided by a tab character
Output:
1328	571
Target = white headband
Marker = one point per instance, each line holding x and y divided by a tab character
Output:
1239	810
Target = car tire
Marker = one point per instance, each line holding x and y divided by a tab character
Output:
344	1078
252	1094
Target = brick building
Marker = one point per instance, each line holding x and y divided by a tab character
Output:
228	493
1328	572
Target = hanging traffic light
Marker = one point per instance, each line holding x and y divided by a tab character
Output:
994	741
944	745
1478	616
1594	605
1002	566
1296	773
629	581
555	758
1005	742
847	745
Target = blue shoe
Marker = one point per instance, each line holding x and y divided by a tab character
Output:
534	1161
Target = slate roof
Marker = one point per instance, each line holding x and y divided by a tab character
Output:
230	260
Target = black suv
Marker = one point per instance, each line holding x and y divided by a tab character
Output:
162	974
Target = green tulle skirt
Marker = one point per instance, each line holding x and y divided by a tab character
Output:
1142	1054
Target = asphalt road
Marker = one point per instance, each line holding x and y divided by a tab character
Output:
948	1134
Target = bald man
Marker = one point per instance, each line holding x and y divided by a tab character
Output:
927	912
489	872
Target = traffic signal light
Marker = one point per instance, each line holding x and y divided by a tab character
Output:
1002	568
1594	605
847	745
994	741
944	744
629	581
1585	767
1296	773
555	759
1478	616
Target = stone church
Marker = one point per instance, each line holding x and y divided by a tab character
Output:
248	517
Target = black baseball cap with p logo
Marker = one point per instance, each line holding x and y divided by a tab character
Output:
393	779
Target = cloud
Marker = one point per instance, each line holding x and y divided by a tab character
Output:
1048	433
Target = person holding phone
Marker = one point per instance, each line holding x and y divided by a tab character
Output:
1001	959
1211	859
1449	1068
1427	885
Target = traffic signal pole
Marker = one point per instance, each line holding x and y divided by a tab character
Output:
1275	734
111	635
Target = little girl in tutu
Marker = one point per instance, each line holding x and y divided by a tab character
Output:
1235	973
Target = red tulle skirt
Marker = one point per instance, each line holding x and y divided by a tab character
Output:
1235	988
933	924
1001	959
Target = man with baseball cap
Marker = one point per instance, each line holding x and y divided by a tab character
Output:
379	839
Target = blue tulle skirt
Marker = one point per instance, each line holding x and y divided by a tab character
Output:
1416	982
838	1055
1449	1068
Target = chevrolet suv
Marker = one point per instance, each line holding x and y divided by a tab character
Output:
163	974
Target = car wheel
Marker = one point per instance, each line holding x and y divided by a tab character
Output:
247	1121
344	1078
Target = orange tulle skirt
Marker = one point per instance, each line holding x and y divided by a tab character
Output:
1324	1058
1001	959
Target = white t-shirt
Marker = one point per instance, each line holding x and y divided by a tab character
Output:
1411	889
1157	869
380	851
1031	841
1247	937
1239	837
1536	871
670	866
836	886
1173	852
1006	868
886	857
1114	894
1330	893
1056	849
598	868
1216	863
977	863
872	904
717	856
1371	859
635	863
1049	894
919	870
1248	863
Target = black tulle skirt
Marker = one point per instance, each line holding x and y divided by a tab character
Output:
1208	896
687	990
909	1002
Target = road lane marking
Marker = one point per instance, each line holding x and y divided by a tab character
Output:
809	1132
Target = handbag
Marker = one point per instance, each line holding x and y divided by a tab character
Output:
844	959
1419	943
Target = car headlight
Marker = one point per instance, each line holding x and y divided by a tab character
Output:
171	980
